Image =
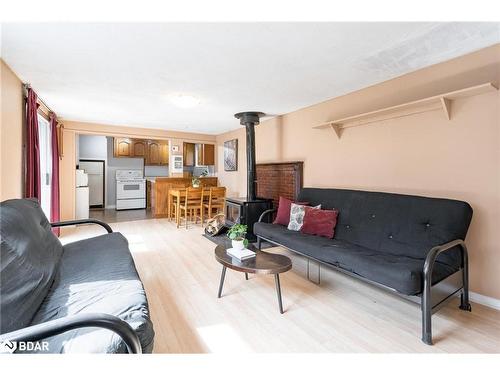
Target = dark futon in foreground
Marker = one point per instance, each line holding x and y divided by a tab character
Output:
83	297
413	246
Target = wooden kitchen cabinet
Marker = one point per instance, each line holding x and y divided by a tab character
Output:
153	155
188	150
205	154
139	148
154	152
208	151
123	147
164	153
157	153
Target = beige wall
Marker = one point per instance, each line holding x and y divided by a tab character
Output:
11	131
422	154
67	176
235	182
68	162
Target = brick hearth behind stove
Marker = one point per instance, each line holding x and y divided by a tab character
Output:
279	179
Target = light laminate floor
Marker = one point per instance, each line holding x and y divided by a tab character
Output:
110	215
342	314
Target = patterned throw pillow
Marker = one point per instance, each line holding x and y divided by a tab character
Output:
297	212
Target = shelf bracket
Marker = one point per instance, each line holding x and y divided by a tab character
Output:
337	129
446	104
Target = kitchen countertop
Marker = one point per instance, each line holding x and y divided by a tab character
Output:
153	179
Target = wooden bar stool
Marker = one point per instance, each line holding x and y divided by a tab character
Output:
216	200
191	205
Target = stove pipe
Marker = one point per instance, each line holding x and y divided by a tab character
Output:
249	120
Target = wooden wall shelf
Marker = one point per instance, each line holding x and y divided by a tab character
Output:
439	102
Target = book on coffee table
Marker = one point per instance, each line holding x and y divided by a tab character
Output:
241	254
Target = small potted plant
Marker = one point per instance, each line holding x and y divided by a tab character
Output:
237	235
195	181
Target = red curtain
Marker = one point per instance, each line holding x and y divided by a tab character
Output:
54	193
32	180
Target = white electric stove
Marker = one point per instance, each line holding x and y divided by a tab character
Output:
130	189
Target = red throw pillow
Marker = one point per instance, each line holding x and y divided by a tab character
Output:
320	222
284	206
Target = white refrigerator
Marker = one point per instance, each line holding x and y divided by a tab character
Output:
82	195
95	181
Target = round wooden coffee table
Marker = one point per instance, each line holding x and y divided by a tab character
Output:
262	263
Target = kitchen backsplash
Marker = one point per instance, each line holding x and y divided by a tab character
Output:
155	171
197	171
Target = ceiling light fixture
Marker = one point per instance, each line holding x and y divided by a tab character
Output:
185	101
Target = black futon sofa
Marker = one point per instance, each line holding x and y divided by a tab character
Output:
85	296
410	245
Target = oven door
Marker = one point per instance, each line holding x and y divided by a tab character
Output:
130	189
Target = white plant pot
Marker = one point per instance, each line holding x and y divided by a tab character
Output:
238	244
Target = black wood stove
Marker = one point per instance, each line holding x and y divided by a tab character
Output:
247	210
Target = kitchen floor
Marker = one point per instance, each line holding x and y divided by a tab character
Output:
114	216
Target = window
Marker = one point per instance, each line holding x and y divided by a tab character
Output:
45	140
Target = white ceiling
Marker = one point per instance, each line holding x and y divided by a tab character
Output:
125	73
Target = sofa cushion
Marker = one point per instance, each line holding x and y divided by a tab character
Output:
30	254
283	213
97	275
319	222
297	212
398	224
401	273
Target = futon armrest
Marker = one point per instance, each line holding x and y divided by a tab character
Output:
431	259
427	303
55	327
436	250
82	221
267	212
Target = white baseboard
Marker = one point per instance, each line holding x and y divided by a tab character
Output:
485	300
111	206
